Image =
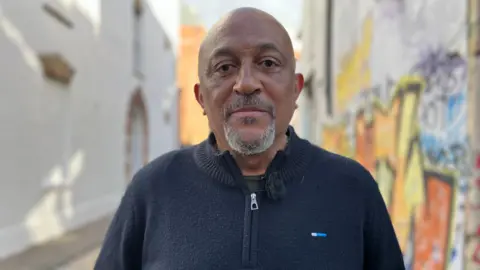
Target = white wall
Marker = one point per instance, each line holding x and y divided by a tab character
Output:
62	154
161	43
312	64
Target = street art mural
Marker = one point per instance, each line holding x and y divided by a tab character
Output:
409	130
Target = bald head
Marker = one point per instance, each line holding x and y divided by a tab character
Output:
243	20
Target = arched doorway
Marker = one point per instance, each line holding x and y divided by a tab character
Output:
136	134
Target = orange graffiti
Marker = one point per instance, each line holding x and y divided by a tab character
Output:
432	223
365	136
335	139
419	199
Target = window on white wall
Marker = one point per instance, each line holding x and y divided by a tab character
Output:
138	37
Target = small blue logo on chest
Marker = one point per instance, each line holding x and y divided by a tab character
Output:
318	234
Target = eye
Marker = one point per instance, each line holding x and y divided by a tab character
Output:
225	68
268	63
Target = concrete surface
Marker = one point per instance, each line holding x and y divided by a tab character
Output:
75	250
85	262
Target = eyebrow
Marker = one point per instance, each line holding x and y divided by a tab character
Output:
262	47
222	51
269	47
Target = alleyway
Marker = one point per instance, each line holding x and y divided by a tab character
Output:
88	96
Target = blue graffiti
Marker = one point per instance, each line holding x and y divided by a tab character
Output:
453	256
445	143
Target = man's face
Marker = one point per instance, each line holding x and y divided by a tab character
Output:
248	86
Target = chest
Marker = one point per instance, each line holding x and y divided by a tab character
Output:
311	236
223	232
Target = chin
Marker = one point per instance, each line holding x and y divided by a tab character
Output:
250	143
249	134
249	129
251	138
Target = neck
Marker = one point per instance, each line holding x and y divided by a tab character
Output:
258	164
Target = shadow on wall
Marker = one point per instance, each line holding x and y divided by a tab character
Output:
44	156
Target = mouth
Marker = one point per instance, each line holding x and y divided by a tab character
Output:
245	112
249	110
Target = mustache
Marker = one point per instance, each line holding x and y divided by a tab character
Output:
249	101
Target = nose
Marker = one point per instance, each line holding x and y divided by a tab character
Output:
247	83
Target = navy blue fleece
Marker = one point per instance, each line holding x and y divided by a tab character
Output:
187	210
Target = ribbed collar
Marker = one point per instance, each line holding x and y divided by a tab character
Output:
289	164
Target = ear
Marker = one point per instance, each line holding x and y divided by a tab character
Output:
198	95
299	83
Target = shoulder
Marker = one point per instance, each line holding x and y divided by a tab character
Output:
343	170
349	179
160	170
168	162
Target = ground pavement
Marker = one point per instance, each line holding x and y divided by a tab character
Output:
77	250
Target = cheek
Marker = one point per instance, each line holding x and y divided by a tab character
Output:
216	103
284	106
221	96
280	88
283	99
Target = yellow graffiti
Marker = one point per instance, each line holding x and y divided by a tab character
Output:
384	172
335	139
407	93
419	199
355	73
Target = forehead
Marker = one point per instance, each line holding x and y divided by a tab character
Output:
248	34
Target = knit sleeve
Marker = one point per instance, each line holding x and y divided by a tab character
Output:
122	246
381	248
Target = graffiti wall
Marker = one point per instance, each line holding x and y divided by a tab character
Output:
400	97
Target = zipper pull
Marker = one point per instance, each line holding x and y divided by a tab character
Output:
253	202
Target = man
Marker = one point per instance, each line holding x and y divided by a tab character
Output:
253	195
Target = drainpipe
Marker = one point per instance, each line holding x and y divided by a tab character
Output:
472	216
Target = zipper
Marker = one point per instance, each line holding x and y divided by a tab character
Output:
254	206
250	232
253	202
251	216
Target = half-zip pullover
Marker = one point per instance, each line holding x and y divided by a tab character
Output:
193	209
